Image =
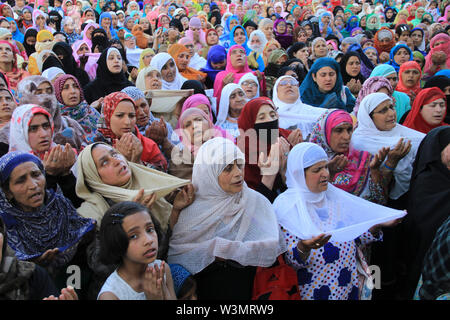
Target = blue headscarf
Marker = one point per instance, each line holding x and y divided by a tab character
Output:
444	72
17	35
225	37
56	224
350	25
310	93
329	30
394	51
216	54
244	45
111	29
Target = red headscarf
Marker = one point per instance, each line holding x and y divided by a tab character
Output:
401	86
444	47
383	47
246	121
15	75
414	120
151	153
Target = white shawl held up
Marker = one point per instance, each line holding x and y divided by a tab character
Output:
297	114
307	214
368	138
240	227
158	62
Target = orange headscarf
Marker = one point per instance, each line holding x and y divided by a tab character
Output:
189	73
141	40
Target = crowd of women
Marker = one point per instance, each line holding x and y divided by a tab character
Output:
170	149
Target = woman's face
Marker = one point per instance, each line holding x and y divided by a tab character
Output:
115	20
239	36
410	77
237	102
270	49
27	186
266	114
438	42
417	37
302	37
40	21
44	88
268	31
316	177
60	38
130	24
153	80
219	65
287	90
238	58
325	78
320	49
69	27
112	167
169	71
281	27
389	14
7	105
213	38
250	88
372	55
114	62
231	179
434	112
233	23
353	66
404	36
302	54
27	15
40	133
384	116
196	128
89	16
145	23
142	112
70	93
148	58
6	53
84	49
89	32
5	24
401	56
106	22
123	120
183	61
393	79
340	137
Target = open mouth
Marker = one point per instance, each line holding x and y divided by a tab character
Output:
36	196
150	253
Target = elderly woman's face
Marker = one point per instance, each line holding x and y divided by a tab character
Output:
340	137
238	58
250	88
287	90
316	177
153	80
40	133
320	49
112	167
231	179
268	31
169	71
148	58
27	186
196	128
237	102
70	93
266	114
142	112
84	49
384	116
372	55
213	38
281	27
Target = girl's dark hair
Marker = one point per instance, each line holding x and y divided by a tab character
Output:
113	239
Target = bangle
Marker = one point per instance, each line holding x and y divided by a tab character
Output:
387	167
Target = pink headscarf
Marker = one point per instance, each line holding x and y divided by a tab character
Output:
444	47
86	28
91	64
195	22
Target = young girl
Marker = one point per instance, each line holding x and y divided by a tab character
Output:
128	238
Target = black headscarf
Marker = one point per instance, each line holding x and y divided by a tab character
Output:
99	39
55	17
217	15
52	61
59	32
176	23
298	68
292	50
31	32
441	82
70	66
194	84
429	204
345	76
105	81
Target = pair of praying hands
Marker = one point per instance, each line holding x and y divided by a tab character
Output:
130	147
66	294
155	284
59	160
157	131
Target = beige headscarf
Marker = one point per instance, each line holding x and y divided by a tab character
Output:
241	227
90	188
140	81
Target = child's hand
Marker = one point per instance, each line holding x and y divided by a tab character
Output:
153	284
165	288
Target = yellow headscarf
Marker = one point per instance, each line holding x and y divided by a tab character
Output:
141	58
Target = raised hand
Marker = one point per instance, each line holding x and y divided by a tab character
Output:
315	242
153	284
146	201
157	131
130	147
337	164
400	150
295	137
66	294
184	198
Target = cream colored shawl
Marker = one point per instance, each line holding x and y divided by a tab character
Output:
90	188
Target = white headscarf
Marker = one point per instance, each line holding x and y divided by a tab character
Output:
225	102
334	212
298	114
52	72
250	76
158	62
368	138
262	38
240	227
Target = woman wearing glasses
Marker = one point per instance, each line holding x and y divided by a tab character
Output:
249	83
